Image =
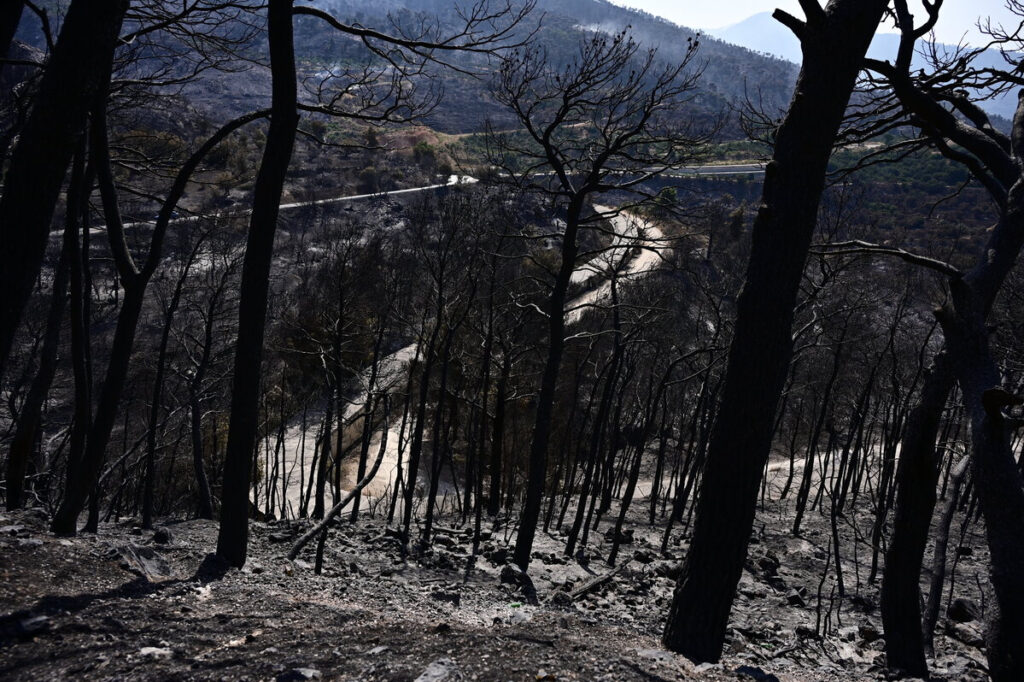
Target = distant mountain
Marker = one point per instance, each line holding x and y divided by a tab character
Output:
730	72
764	35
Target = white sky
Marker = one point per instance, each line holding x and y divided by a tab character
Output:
957	18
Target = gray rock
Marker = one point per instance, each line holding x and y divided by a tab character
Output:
447	596
756	674
513	575
968	634
668	569
155	652
868	632
560	599
625	537
145	561
769	564
445	540
439	671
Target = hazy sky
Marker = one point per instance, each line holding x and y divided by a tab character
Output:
958	17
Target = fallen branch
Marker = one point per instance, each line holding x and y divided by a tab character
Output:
594	583
336	509
859	247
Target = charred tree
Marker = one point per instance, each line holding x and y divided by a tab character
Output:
834	41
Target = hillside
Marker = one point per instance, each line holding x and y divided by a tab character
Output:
730	72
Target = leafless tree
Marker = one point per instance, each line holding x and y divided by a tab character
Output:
608	121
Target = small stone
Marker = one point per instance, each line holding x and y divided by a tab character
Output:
756	674
668	569
438	671
511	574
377	650
447	596
963	611
298	674
868	632
155	652
33	625
560	599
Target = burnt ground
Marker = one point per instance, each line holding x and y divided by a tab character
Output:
132	605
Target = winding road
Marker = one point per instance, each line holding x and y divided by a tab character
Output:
636	249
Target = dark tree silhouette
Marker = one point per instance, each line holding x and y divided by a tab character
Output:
834	41
233	537
77	74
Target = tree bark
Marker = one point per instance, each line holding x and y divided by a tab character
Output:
998	483
233	536
834	42
915	502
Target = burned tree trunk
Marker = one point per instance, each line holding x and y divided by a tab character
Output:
834	41
233	537
77	73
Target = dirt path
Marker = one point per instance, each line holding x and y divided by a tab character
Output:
637	242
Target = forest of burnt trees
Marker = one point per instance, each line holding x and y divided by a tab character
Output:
577	342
